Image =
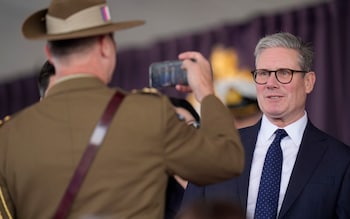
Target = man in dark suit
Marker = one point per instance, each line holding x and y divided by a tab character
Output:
315	172
145	143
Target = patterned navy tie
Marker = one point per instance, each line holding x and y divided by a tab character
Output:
269	189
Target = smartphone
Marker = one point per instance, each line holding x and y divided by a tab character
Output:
167	74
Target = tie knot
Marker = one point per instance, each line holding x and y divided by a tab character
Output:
280	134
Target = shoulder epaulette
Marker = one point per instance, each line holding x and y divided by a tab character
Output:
4	120
147	90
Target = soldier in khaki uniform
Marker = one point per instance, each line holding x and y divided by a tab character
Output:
146	142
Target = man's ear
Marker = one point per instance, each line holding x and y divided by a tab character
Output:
309	80
48	53
107	45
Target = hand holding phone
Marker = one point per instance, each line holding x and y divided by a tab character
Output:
200	76
191	74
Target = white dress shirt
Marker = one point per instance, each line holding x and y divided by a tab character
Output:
290	147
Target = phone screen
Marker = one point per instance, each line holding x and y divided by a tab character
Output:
166	74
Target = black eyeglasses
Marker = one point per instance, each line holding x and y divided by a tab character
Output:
283	75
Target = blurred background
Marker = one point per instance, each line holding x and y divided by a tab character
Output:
165	18
228	29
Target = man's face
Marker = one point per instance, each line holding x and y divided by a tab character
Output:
283	103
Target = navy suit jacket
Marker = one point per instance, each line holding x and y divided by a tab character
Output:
174	195
319	186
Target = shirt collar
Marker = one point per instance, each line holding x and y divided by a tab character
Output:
295	130
69	77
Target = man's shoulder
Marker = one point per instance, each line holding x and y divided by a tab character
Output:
147	91
5	120
147	95
249	130
148	98
331	142
311	131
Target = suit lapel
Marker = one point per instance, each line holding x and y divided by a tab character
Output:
311	151
249	143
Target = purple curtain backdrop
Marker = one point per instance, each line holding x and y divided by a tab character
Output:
326	25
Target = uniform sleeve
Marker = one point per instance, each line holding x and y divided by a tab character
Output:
210	154
6	209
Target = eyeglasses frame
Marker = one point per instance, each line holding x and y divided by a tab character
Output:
275	71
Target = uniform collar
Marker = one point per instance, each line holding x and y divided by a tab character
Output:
79	82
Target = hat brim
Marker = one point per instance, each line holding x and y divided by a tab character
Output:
34	28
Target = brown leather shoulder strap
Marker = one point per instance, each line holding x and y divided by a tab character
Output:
88	156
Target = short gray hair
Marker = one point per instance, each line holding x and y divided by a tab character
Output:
287	40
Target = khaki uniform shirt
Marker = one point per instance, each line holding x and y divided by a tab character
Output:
41	147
